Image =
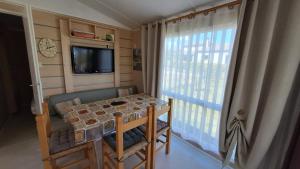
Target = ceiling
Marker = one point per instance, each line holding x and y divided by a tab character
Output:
133	13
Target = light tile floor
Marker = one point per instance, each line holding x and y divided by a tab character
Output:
19	149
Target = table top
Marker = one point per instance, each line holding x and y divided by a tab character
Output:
93	120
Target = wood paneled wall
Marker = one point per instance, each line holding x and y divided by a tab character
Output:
126	45
47	25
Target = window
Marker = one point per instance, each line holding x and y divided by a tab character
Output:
194	72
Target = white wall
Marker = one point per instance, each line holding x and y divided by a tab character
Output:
72	8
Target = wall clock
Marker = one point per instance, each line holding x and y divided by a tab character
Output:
47	47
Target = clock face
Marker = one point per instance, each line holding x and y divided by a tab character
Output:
47	47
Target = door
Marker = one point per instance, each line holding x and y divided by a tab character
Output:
33	60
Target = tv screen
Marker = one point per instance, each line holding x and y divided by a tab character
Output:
92	60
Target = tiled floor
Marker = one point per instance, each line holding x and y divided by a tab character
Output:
19	148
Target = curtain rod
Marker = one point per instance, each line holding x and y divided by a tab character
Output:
206	11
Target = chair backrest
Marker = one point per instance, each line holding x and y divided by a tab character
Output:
156	114
122	127
44	130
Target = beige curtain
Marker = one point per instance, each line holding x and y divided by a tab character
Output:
152	48
263	68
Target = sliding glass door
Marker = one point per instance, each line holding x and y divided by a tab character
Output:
194	72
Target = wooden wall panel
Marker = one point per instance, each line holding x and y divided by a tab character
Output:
85	80
53	91
52	70
125	43
46	25
46	32
126	77
125	34
95	86
57	60
125	52
82	27
53	82
126	46
126	60
125	69
45	19
127	83
11	7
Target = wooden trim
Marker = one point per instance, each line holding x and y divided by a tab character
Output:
47	118
73	163
168	138
67	66
149	123
134	124
42	135
162	131
119	135
117	58
206	11
139	165
162	111
153	143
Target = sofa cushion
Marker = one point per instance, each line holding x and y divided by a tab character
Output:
86	96
76	101
123	92
63	107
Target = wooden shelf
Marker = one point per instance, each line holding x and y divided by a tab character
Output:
99	40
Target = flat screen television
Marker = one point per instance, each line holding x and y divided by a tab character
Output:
86	60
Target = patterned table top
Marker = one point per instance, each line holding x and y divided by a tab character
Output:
93	120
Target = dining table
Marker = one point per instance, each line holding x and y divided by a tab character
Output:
91	121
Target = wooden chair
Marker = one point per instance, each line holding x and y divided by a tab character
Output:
128	141
57	144
161	129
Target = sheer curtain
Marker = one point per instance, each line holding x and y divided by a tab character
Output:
194	69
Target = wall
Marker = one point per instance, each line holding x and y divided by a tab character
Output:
71	8
46	25
51	70
126	44
138	75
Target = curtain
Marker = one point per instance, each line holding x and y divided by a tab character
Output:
261	74
194	68
152	35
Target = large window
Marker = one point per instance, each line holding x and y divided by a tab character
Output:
194	72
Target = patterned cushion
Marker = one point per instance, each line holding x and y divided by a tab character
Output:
160	125
62	139
130	138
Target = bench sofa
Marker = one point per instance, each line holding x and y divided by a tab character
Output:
87	96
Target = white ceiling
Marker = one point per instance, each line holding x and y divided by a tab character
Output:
136	12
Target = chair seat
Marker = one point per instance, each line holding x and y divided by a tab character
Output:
131	138
62	139
160	126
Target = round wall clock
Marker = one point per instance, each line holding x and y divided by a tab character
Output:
47	47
